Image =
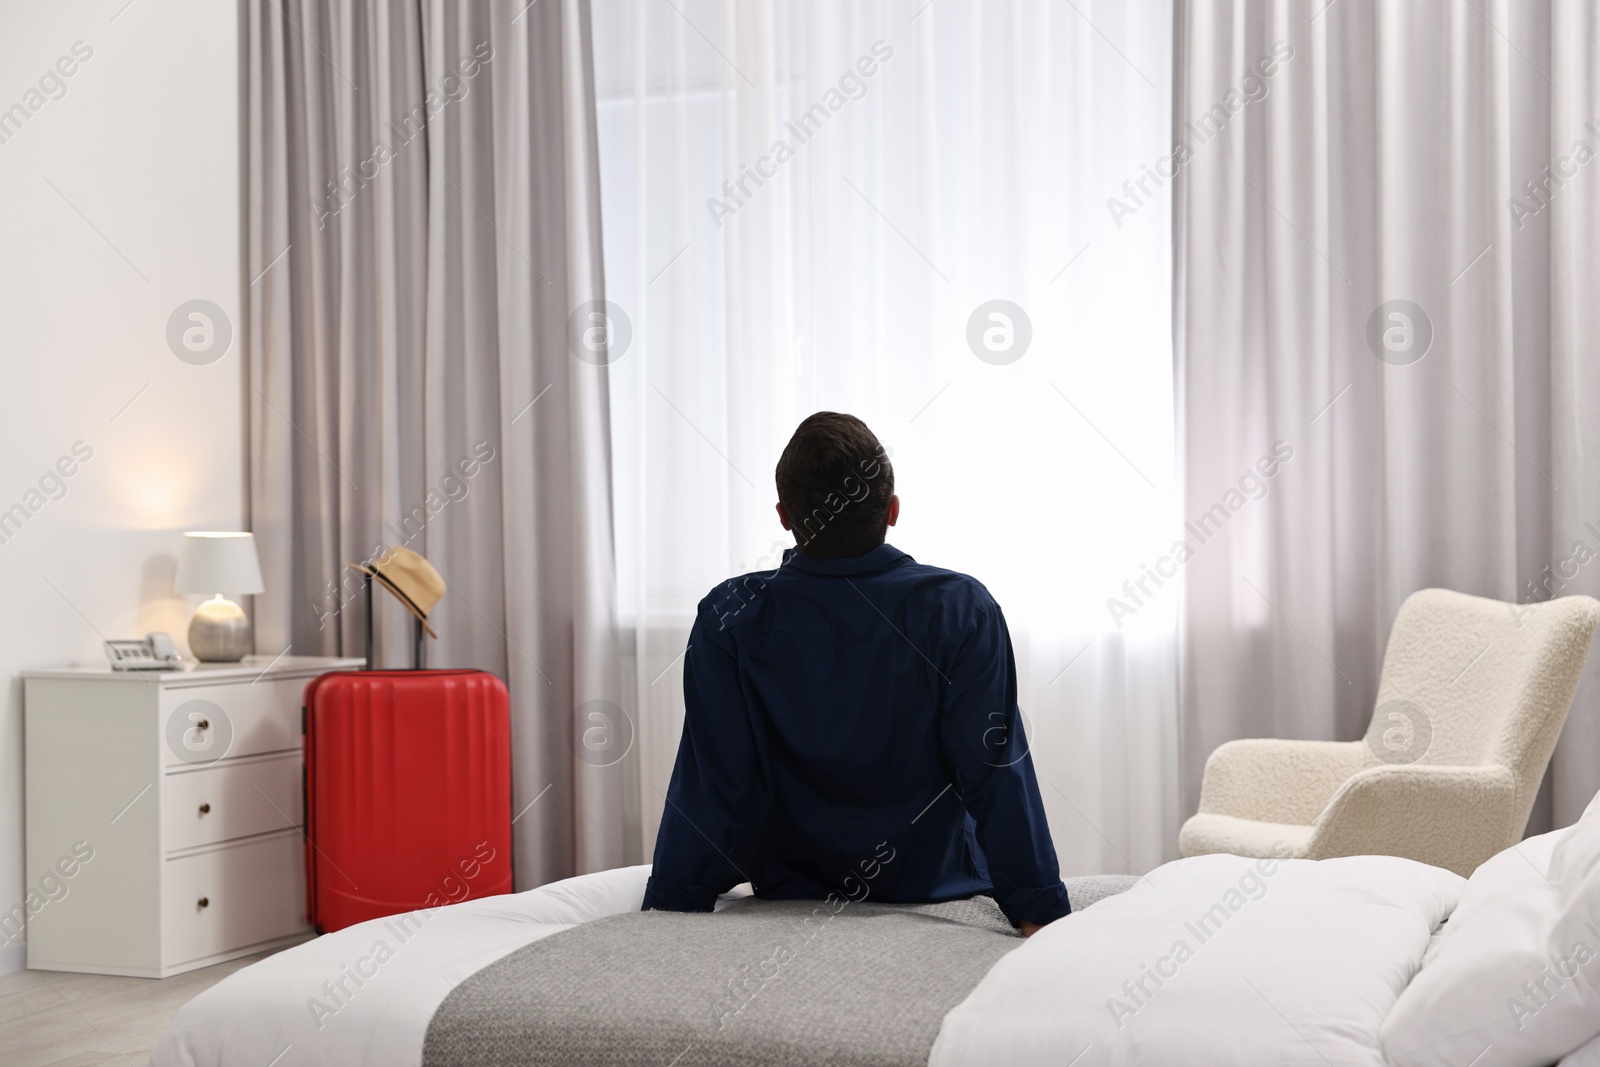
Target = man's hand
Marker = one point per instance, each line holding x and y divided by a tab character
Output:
1029	929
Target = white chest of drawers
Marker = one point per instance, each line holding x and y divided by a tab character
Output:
163	815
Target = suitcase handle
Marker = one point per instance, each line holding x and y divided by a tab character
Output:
417	647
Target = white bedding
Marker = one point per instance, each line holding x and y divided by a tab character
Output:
1327	946
281	1008
1298	967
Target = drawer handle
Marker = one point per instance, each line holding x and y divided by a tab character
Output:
205	809
204	902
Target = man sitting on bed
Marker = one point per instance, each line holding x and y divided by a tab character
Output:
851	729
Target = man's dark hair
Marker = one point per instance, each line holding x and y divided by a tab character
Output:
835	481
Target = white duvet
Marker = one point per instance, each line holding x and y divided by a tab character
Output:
362	997
1209	961
1285	963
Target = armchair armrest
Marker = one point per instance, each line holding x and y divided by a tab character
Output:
1450	817
1273	780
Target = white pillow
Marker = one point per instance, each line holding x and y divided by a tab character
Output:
1587	1056
1515	980
1512	871
1575	870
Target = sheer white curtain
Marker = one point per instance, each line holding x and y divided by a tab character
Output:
805	205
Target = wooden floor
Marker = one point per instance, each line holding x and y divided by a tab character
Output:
57	1019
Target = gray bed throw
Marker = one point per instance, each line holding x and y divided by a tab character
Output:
777	983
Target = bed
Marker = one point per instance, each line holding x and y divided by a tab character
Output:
1209	960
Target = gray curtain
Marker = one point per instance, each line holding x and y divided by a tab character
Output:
1424	153
423	217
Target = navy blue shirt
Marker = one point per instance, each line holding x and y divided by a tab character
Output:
852	728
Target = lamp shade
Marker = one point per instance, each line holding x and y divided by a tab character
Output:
218	563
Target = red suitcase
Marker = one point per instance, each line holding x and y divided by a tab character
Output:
407	792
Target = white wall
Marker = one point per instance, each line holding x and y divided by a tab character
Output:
120	199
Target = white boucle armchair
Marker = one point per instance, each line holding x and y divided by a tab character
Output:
1471	700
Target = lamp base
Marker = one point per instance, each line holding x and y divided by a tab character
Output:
219	632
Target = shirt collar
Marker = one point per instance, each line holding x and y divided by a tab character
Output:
878	559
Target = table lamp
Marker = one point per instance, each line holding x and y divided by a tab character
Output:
218	563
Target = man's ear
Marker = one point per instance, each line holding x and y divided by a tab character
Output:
894	510
783	516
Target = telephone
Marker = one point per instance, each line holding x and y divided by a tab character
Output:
155	652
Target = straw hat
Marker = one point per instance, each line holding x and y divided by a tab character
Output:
410	578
